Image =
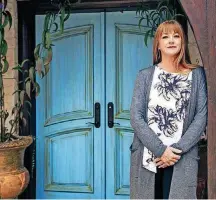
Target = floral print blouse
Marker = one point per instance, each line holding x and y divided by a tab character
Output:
168	99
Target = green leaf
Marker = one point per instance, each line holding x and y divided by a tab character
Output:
67	16
169	14
179	15
164	8
146	37
32	73
28	88
5	67
16	91
147	20
46	21
6	115
29	103
48	40
62	16
37	51
14	110
48	57
140	21
47	68
173	13
4	48
152	33
17	67
42	74
22	96
152	12
160	4
2	33
156	21
27	79
39	64
1	37
156	15
6	19
23	62
20	70
56	26
147	12
4	3
37	88
10	18
143	10
44	39
1	82
138	10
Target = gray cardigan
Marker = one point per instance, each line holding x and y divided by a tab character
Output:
184	181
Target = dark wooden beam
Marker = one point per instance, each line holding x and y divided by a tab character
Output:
26	44
94	6
202	17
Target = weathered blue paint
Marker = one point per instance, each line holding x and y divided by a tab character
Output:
95	60
70	153
126	54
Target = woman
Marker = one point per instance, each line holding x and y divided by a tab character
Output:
168	115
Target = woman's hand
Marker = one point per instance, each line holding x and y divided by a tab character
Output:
168	158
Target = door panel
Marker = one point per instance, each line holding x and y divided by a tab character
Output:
126	54
70	155
71	66
74	158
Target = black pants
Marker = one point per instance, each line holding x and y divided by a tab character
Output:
163	179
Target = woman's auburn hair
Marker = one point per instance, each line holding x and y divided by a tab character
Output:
167	27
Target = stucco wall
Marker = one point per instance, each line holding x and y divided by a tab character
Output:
193	48
12	56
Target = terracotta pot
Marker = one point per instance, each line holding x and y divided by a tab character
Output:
14	177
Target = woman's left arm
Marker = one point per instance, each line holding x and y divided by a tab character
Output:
198	125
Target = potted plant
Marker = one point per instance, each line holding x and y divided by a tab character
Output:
14	177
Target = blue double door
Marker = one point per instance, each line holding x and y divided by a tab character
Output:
95	63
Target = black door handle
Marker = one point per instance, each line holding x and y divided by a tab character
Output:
111	115
97	116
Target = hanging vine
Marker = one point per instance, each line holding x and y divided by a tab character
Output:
165	10
53	23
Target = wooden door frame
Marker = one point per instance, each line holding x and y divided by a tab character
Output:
203	23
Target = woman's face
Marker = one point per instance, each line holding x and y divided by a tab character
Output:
170	43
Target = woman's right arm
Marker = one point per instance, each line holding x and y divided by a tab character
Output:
137	110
